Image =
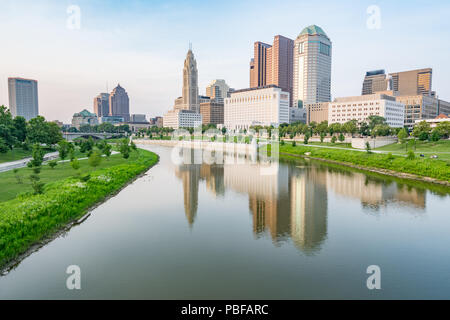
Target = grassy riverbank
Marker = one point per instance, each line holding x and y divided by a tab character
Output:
424	167
18	154
29	219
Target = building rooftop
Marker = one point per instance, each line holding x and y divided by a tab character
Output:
313	30
84	113
375	72
256	88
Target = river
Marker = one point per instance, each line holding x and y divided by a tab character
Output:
226	231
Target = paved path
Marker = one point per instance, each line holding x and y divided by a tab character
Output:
6	166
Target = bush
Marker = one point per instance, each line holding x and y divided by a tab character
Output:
53	164
75	164
410	155
294	143
333	139
94	159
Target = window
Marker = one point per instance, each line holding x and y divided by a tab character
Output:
324	49
301	47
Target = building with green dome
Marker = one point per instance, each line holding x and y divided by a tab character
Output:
312	67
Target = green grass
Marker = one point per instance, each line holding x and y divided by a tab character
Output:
18	154
10	188
328	144
425	167
28	219
440	148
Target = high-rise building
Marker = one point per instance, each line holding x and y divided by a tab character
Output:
190	83
411	83
101	105
119	103
217	90
23	97
375	81
312	67
273	64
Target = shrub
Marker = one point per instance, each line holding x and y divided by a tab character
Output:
75	164
294	144
53	164
341	137
333	139
94	159
410	155
368	149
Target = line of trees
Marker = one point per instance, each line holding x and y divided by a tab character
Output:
17	132
100	128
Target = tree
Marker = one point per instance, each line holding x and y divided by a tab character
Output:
350	127
35	163
94	159
335	128
107	150
124	148
435	135
333	139
368	149
322	136
364	129
75	165
63	149
402	135
7	128
322	127
37	156
87	145
375	120
20	128
422	130
306	138
40	131
53	164
444	129
341	137
3	146
381	130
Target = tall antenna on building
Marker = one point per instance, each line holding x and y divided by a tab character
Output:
190	45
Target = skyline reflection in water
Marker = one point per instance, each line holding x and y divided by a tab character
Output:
291	205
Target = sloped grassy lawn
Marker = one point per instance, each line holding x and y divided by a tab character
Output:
30	218
433	168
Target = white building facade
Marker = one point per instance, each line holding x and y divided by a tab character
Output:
360	108
177	119
263	106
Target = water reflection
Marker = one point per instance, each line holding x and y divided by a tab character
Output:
292	205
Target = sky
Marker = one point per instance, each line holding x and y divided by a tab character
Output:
142	45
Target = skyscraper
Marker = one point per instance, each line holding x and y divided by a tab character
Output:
119	103
312	67
101	105
217	90
412	82
375	81
23	97
190	83
273	64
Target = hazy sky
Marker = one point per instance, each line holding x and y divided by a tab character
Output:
142	45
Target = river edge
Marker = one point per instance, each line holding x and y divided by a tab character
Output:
387	172
14	263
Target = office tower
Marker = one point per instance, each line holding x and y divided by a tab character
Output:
190	83
375	81
138	118
312	67
217	90
119	103
414	82
23	98
101	105
273	64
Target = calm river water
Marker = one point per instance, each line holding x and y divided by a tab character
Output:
210	231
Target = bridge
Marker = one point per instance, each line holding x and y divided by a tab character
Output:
70	136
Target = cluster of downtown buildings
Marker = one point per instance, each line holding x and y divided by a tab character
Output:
111	107
290	81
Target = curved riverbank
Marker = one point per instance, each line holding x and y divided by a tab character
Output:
344	158
30	221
